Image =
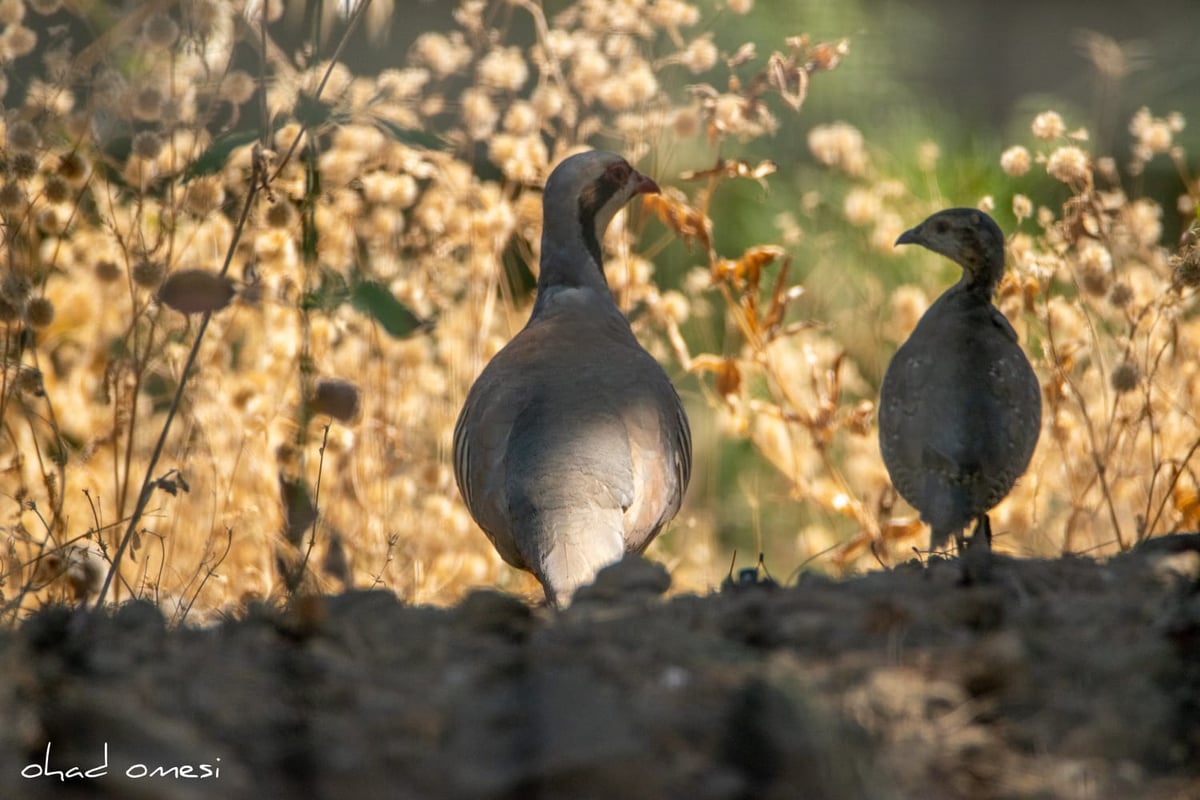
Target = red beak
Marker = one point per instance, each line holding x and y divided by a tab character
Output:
646	185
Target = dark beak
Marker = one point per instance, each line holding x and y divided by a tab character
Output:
910	236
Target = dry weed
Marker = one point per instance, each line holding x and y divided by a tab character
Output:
164	439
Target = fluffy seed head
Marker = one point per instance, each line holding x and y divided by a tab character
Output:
1015	161
23	136
24	166
503	68
9	311
280	214
1187	267
50	221
147	103
73	166
1022	206
479	114
1048	126
15	287
56	189
148	273
204	196
160	30
12	196
18	41
29	381
1069	164
1121	295
700	55
147	145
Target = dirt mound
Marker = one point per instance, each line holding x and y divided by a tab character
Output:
993	678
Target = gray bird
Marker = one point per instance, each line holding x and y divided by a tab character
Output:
960	408
572	448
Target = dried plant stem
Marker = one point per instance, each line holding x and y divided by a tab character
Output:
210	569
312	535
357	16
1097	457
148	480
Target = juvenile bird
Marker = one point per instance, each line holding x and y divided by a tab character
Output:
573	448
960	408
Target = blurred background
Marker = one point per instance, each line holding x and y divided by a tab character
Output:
406	148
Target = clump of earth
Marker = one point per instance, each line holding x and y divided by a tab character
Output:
987	677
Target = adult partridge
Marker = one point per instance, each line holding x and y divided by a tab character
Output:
572	448
960	408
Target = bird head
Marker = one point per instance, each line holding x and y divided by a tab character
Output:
582	196
966	236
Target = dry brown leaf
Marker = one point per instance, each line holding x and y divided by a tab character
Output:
195	291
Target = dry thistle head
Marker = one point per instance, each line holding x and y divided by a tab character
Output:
148	273
12	196
45	7
24	166
15	287
148	104
9	311
107	271
1125	377
1120	295
1094	267
337	398
147	145
23	137
280	214
204	196
29	381
73	166
1186	266
56	189
160	30
40	312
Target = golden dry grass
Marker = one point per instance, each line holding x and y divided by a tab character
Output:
308	445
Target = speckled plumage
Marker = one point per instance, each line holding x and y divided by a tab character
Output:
960	407
573	448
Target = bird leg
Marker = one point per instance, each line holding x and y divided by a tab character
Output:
983	526
959	543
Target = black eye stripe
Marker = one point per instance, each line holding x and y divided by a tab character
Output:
591	200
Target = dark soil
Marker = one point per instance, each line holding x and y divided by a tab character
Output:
997	678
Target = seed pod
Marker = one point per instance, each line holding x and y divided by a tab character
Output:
337	398
1125	377
107	271
194	291
40	312
148	274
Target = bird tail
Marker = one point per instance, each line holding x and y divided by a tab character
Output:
570	547
945	509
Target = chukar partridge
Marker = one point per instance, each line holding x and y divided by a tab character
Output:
960	408
572	448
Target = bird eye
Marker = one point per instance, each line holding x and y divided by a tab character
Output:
941	227
619	172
